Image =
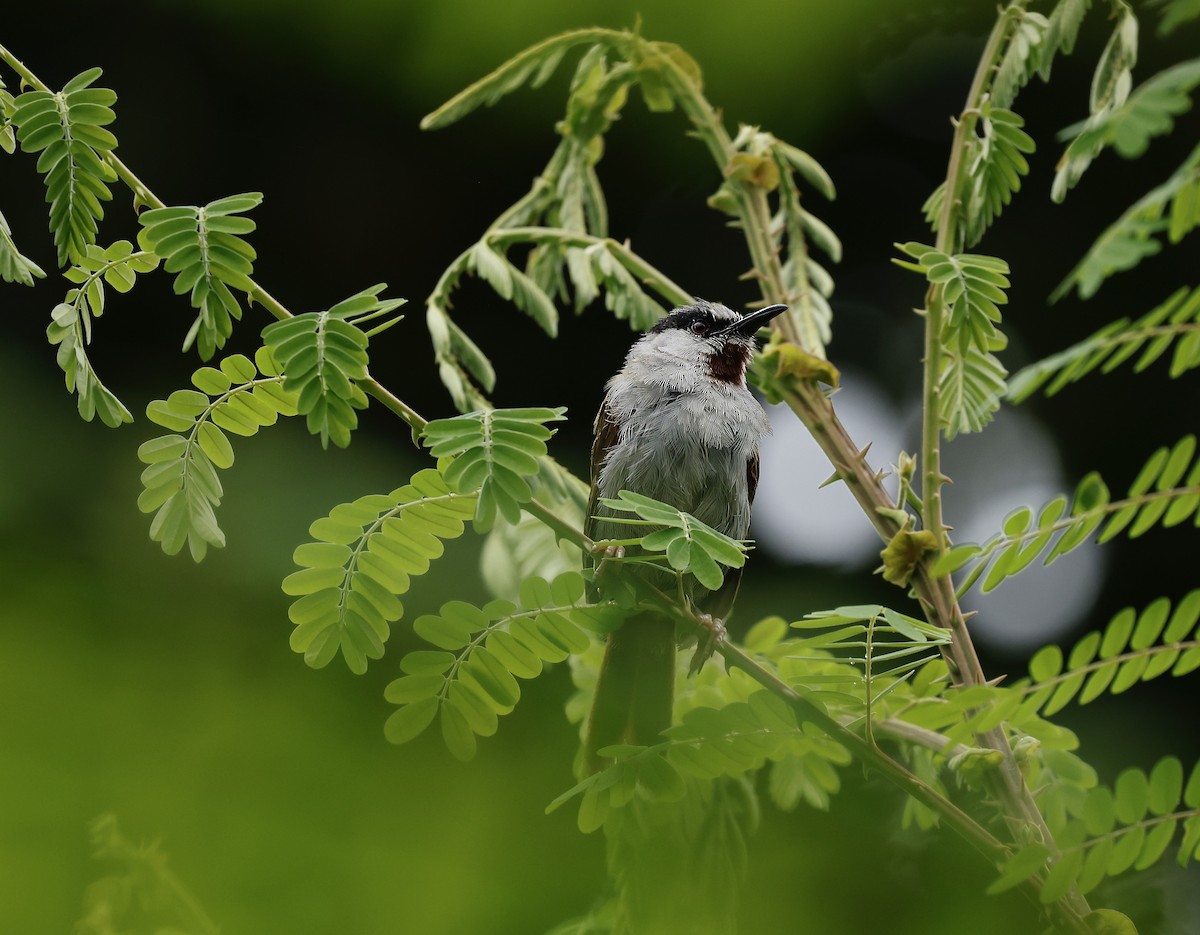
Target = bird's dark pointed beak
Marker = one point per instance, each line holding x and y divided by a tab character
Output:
749	324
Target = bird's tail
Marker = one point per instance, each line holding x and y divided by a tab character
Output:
635	690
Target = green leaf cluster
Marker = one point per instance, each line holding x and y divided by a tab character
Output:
707	744
971	289
203	247
689	546
878	642
563	218
71	325
67	129
1148	112
1023	55
1174	325
1111	831
323	354
494	451
471	678
364	554
1134	647
180	483
1165	491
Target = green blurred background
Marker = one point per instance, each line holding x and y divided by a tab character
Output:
165	692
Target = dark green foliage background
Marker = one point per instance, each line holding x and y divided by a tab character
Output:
165	692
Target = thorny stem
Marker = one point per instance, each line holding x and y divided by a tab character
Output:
936	594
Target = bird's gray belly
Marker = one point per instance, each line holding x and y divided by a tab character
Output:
678	468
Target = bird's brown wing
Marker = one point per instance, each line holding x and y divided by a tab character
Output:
606	434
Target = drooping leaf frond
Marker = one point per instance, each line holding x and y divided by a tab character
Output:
67	129
494	450
1112	830
1022	57
1134	235
688	545
1150	111
203	247
564	220
71	328
1160	494
8	133
1134	647
481	652
1175	13
1173	324
323	354
1062	28
13	266
363	555
181	486
534	66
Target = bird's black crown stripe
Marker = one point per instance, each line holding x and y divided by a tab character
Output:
683	318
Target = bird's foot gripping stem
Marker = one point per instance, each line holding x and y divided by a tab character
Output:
708	642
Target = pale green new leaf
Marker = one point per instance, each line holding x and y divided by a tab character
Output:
13	266
471	677
180	485
363	555
71	325
971	389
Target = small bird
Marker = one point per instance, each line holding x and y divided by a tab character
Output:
677	424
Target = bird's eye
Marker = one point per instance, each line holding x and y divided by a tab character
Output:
698	327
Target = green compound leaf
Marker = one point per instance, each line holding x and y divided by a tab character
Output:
1165	492
494	450
71	325
180	484
13	266
323	355
1134	647
690	546
67	129
1109	831
472	677
1173	325
363	556
202	247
